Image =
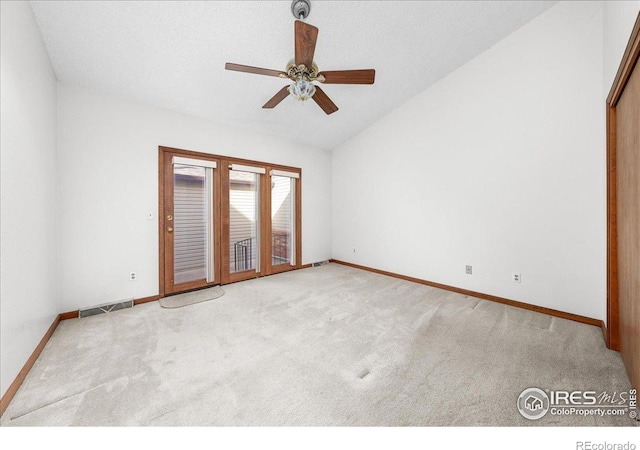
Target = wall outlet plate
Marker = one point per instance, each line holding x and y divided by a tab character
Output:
516	277
469	270
132	276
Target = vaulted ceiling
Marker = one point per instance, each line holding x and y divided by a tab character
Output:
172	54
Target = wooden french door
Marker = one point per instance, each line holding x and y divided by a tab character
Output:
225	220
190	222
623	151
245	213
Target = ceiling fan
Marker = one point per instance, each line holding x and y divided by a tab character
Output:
303	71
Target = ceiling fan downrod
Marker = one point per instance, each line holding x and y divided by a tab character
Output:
300	8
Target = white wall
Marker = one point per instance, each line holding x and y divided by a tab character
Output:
28	285
499	165
108	181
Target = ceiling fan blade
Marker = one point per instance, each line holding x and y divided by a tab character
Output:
256	70
365	76
323	101
305	42
281	95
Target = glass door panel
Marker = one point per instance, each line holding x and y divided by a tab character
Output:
190	223
244	243
282	220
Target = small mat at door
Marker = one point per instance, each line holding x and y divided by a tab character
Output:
191	298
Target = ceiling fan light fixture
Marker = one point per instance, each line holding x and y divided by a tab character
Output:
302	89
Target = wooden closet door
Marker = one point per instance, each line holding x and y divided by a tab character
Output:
628	223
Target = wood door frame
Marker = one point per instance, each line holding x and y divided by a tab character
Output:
629	61
165	208
222	219
266	268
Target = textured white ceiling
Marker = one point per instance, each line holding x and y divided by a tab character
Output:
172	54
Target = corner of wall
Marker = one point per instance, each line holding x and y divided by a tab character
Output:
29	202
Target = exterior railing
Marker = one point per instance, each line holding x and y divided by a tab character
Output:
243	251
243	255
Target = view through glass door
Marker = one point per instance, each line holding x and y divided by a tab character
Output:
283	219
244	221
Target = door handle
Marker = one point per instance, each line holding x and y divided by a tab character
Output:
170	230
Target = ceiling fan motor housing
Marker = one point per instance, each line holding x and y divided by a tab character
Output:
300	8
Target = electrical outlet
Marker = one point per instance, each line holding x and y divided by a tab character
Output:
354	249
516	277
468	270
132	276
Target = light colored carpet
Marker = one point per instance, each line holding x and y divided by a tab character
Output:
322	346
191	298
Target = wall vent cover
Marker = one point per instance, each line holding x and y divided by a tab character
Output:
101	309
320	263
